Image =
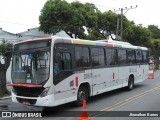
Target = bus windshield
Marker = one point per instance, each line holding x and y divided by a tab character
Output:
31	68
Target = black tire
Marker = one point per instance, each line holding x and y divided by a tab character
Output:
130	83
81	95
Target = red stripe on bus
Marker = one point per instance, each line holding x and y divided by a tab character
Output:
113	75
76	81
109	45
25	85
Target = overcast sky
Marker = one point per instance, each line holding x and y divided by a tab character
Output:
20	15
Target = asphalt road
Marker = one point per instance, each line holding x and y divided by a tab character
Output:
143	100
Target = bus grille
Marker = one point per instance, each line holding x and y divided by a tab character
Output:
31	101
28	92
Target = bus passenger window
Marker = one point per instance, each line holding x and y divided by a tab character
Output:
111	57
131	56
62	63
56	68
95	58
82	57
66	61
145	56
139	56
122	58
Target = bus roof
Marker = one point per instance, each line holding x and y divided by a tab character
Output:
107	43
35	39
101	43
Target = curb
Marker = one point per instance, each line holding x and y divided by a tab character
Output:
7	97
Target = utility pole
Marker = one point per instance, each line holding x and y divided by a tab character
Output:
121	24
117	31
122	14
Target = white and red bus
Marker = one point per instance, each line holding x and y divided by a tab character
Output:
53	71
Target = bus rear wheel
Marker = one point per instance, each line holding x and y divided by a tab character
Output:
130	83
81	95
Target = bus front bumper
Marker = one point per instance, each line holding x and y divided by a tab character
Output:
46	101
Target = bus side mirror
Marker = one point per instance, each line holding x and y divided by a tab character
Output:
57	57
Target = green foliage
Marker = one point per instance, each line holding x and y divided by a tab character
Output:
155	50
58	15
107	22
5	50
154	44
95	35
155	31
5	47
84	17
55	16
138	35
85	21
78	20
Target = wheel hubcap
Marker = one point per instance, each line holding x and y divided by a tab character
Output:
131	85
82	95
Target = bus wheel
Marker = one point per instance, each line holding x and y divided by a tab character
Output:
130	83
81	95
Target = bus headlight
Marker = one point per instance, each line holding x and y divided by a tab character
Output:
45	91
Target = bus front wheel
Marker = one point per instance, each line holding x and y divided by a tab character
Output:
82	95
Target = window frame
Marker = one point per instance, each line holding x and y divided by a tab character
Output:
114	55
126	61
82	47
139	61
133	61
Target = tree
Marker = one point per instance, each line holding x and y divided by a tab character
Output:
73	18
154	45
90	17
155	31
58	15
137	35
55	16
95	34
107	23
5	52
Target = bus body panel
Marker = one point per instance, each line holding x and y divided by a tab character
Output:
68	90
139	73
145	71
123	75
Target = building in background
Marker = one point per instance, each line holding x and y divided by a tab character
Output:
29	34
4	35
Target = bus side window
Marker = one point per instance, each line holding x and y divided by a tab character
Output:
111	56
62	62
139	56
131	56
122	57
145	56
66	61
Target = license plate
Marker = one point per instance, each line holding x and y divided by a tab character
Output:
26	103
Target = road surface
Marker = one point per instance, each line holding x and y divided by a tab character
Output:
143	100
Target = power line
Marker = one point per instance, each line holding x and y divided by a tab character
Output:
122	13
135	18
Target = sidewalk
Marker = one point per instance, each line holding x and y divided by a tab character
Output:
6	97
